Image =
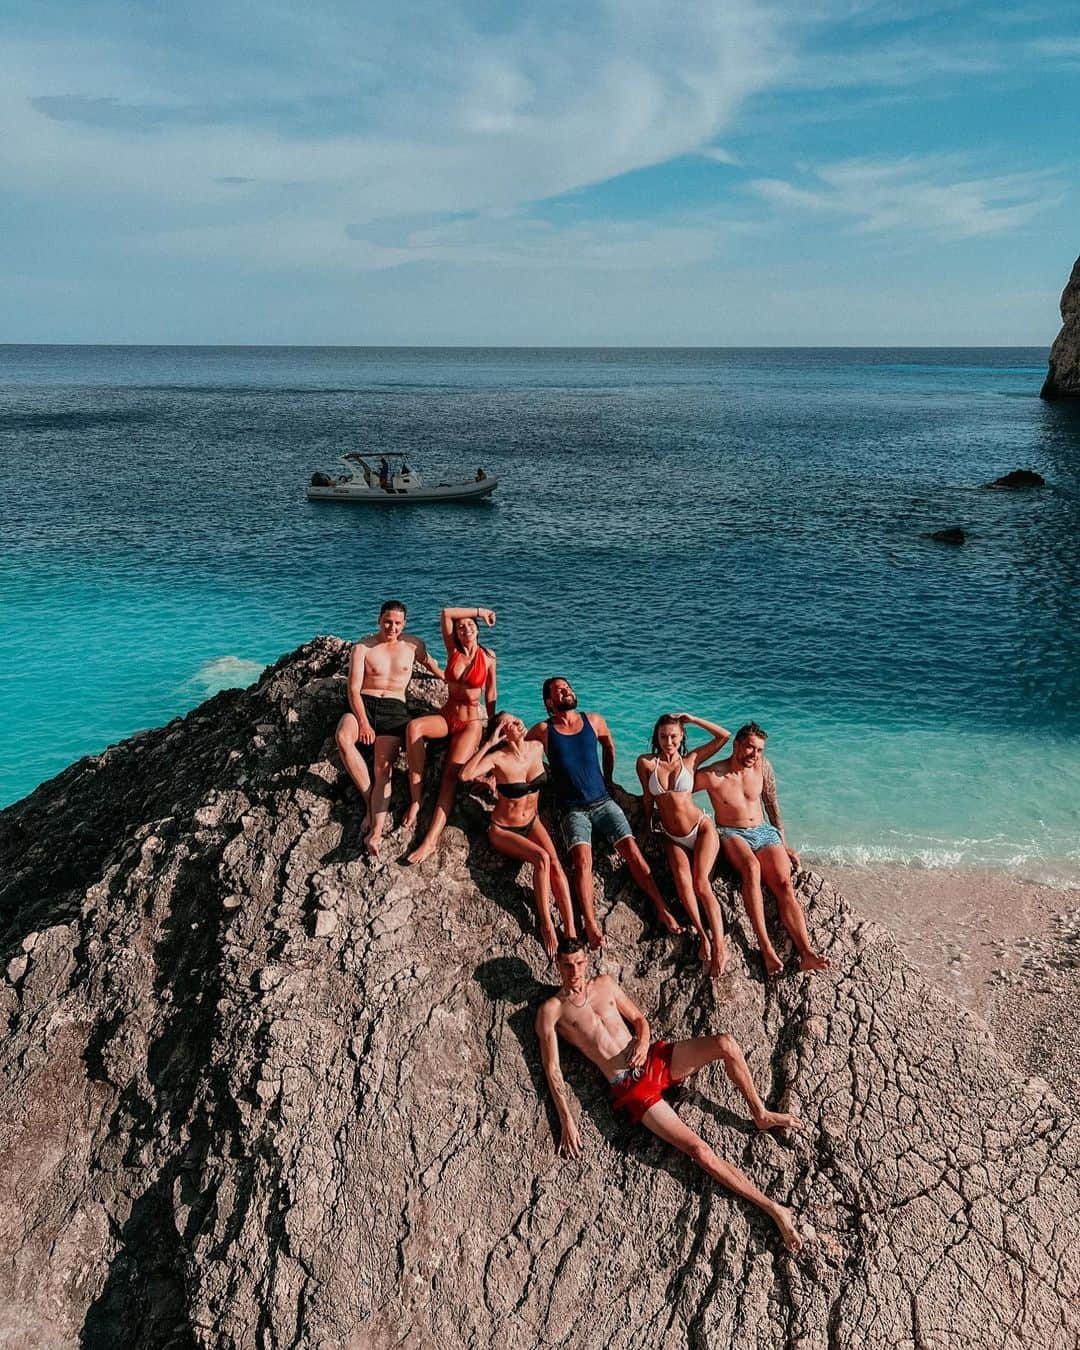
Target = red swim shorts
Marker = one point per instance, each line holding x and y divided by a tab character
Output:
635	1095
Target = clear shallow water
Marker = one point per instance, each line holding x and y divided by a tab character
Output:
736	533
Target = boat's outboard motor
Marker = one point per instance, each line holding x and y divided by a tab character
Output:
321	480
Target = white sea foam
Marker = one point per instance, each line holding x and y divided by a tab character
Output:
1026	861
222	672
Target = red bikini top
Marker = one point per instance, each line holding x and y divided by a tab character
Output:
476	675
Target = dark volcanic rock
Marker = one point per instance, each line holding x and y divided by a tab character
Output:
1019	478
258	1093
1063	373
952	535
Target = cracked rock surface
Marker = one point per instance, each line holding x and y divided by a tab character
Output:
1063	373
258	1092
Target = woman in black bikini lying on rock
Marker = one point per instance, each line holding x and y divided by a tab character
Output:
516	829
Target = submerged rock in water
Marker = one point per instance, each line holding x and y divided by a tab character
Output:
1019	478
1063	372
952	535
231	1121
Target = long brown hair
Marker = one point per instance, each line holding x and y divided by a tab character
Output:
668	719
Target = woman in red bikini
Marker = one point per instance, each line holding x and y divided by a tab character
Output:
516	829
470	679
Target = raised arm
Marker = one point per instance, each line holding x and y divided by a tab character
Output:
639	1025
771	802
546	1018
481	762
719	737
607	746
452	613
356	685
538	733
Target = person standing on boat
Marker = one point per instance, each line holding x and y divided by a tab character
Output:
690	838
583	794
470	678
379	673
516	829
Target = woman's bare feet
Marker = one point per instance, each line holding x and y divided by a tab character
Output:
785	1221
593	935
773	964
419	854
373	842
811	961
668	921
548	938
704	950
719	961
777	1120
411	816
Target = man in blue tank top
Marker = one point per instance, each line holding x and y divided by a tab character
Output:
584	801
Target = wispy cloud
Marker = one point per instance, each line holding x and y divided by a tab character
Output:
443	112
921	196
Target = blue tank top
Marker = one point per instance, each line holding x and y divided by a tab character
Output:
574	767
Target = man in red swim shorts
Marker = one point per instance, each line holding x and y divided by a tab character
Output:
593	1015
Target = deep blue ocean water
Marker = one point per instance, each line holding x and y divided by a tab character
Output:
736	533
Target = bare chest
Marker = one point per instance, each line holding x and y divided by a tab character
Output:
736	789
389	664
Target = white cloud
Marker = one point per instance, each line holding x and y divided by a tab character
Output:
437	115
721	156
921	196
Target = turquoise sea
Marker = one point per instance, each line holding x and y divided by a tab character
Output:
736	533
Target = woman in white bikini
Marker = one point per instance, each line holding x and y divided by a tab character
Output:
690	838
516	829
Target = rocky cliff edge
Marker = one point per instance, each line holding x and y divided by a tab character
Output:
1063	374
259	1093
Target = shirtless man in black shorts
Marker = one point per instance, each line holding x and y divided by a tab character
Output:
379	673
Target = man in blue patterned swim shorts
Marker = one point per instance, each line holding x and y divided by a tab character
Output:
742	789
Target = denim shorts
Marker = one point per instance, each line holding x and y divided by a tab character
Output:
580	822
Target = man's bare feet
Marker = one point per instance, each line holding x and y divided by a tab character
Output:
548	938
777	1120
593	936
811	961
773	964
719	961
785	1221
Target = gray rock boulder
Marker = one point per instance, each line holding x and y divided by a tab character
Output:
1018	479
1063	373
259	1093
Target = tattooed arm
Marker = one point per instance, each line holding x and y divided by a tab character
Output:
771	802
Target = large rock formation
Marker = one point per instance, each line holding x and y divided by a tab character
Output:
259	1093
1063	375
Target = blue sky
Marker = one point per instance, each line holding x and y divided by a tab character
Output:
607	171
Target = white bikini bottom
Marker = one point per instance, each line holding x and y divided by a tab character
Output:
686	841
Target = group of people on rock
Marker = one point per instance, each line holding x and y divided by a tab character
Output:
594	1015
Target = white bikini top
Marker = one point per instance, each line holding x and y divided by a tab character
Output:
684	782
